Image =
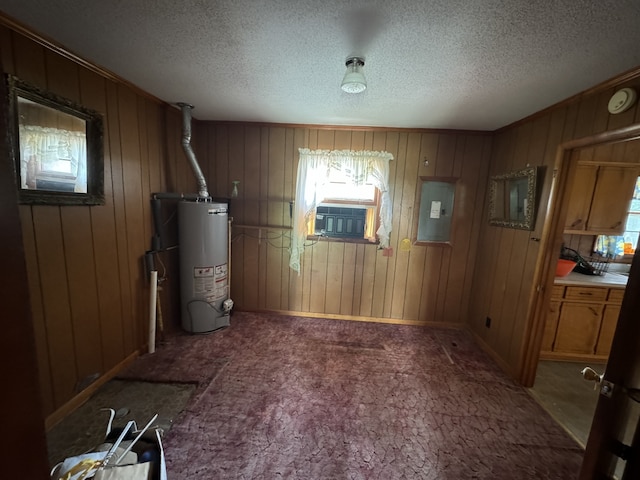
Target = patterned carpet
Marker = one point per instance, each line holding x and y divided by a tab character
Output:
303	398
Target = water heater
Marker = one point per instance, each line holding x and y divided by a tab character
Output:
203	230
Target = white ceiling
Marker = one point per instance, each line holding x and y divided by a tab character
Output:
460	64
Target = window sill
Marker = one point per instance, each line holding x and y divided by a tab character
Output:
321	238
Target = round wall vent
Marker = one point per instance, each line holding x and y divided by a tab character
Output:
622	100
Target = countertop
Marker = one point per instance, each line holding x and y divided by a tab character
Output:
612	280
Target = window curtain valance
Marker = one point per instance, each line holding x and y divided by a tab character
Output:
360	167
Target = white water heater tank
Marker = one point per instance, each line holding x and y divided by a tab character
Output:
203	230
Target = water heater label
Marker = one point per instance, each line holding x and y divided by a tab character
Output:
217	211
220	290
203	282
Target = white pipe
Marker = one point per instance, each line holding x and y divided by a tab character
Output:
153	294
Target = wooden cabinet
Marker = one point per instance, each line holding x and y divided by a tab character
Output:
600	198
581	322
589	294
578	327
580	198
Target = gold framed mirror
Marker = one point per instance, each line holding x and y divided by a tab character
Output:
512	199
57	146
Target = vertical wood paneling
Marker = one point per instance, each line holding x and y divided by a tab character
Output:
136	245
319	263
109	301
380	279
275	216
343	278
264	216
28	237
86	284
63	77
469	170
251	199
21	404
41	334
335	268
347	294
55	297
403	208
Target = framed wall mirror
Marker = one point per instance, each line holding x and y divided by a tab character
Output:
512	199
57	146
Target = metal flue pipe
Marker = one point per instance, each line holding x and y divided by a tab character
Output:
188	150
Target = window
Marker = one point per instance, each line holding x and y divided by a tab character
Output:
626	243
347	211
341	193
632	228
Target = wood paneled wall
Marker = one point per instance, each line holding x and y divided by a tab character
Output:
502	285
86	280
425	284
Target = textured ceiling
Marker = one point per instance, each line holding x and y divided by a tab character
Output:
461	64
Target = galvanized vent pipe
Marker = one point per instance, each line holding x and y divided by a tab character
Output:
188	150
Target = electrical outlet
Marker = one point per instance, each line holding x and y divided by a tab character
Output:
487	322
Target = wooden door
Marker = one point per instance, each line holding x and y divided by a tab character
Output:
615	417
611	199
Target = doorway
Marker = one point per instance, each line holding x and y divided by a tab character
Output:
584	308
551	241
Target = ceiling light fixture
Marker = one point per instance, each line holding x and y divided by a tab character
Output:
354	81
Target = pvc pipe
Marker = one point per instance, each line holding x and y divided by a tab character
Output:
153	294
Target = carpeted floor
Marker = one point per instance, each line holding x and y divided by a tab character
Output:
303	398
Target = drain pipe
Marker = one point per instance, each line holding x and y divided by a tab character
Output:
203	192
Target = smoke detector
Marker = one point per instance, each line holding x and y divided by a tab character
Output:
622	100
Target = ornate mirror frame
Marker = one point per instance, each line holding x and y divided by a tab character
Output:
512	199
69	172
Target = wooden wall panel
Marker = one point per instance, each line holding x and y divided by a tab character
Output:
336	278
25	454
86	283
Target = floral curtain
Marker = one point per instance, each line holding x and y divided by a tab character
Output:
360	167
54	151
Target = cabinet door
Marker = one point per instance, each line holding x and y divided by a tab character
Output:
611	199
578	328
607	329
550	326
580	199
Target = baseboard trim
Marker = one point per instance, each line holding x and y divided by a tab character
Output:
53	419
572	357
356	318
494	356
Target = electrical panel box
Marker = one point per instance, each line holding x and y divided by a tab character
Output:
436	211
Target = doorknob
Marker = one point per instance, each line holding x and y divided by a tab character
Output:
591	375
